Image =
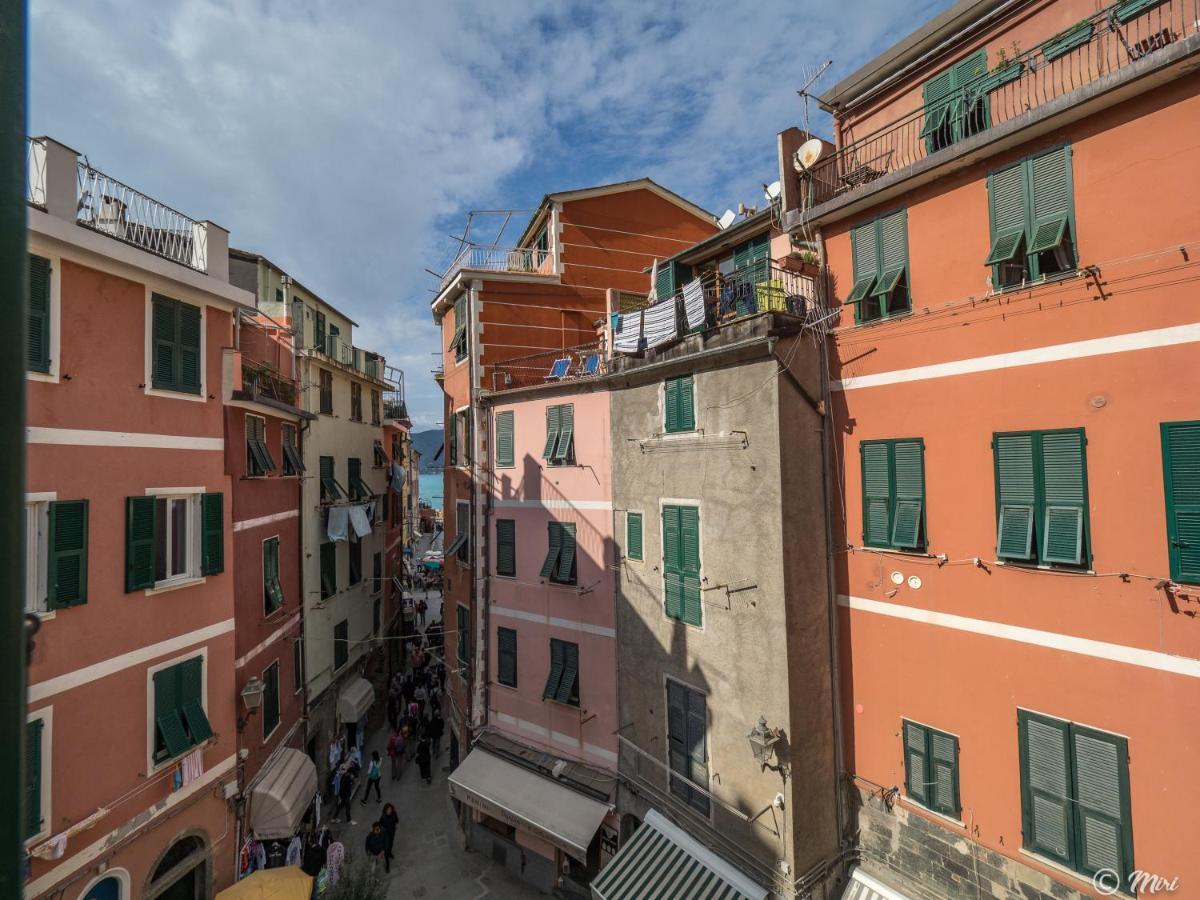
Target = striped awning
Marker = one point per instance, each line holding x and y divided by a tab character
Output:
862	886
662	860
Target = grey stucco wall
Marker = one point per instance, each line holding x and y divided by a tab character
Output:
763	647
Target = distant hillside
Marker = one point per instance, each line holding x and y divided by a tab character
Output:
428	443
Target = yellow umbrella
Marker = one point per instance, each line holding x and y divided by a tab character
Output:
285	883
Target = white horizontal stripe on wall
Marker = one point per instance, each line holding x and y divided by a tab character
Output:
274	636
1121	343
1150	659
557	737
554	504
81	437
142	655
568	624
265	520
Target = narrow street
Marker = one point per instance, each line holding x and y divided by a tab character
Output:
431	862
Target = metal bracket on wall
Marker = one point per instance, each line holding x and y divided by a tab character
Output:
731	588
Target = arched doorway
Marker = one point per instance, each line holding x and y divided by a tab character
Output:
182	872
110	887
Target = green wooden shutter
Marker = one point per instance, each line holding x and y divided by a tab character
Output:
567	686
191	364
270	699
909	461
916	762
1051	200
943	773
212	534
164	328
554	530
452	426
697	747
341	644
168	712
191	675
37	335
1102	820
139	543
319	331
504	439
689	563
877	492
506	640
566	559
1065	494
506	547
686	401
354	476
1047	817
1131	9
677	756
664	285
938	97
1181	481
893	260
554	677
672	562
671	406
1016	495
462	620
1006	214
633	535
67	557
552	425
328	569
33	777
566	419
865	252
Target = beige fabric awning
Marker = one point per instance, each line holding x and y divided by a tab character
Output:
528	801
281	795
355	699
862	886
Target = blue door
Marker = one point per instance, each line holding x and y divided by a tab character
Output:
108	889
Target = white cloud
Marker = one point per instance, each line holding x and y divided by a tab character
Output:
341	138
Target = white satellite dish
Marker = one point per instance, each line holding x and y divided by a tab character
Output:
771	191
727	219
808	154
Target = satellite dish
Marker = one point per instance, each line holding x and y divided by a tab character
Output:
771	191
808	154
727	219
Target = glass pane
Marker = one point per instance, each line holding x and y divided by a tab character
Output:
179	537
160	539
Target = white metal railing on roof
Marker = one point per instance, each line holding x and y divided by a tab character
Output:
526	260
35	169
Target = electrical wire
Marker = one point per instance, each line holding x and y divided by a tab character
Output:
686	242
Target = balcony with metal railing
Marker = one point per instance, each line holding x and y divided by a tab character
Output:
524	261
266	360
1124	39
365	362
394	406
547	367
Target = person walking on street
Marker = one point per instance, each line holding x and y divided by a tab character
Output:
377	846
435	729
424	761
345	795
395	752
390	822
373	776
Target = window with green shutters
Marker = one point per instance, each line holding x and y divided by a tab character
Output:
506	547
452	440
270	701
258	456
505	453
681	563
67	554
355	553
341	644
1075	795
562	681
458	343
462	623
879	249
272	589
752	259
559	448
679	405
687	744
506	656
955	107
359	489
1181	483
326	391
319	333
159	538
1041	497
330	489
180	721
1031	212
931	768
176	362
893	485
293	463
376	616
559	565
37	329
328	569
212	534
297	664
633	535
34	816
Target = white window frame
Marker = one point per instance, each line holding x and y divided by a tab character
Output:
202	652
51	377
278	698
148	367
46	715
37	553
191	574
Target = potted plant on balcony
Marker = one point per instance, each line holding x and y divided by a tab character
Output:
1068	39
806	262
1007	68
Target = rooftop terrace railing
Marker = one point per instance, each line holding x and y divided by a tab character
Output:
546	367
35	169
526	260
1104	42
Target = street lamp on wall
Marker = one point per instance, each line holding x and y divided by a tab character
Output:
762	742
252	696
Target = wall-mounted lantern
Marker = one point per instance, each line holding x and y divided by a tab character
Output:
762	742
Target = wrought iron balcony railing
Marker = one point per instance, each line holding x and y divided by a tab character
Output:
525	260
35	169
1112	39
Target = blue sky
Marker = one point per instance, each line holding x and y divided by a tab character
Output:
345	140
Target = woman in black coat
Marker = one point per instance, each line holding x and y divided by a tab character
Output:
390	821
424	760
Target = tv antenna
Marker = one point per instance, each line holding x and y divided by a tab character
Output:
811	76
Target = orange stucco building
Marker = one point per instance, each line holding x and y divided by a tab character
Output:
498	306
1008	220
